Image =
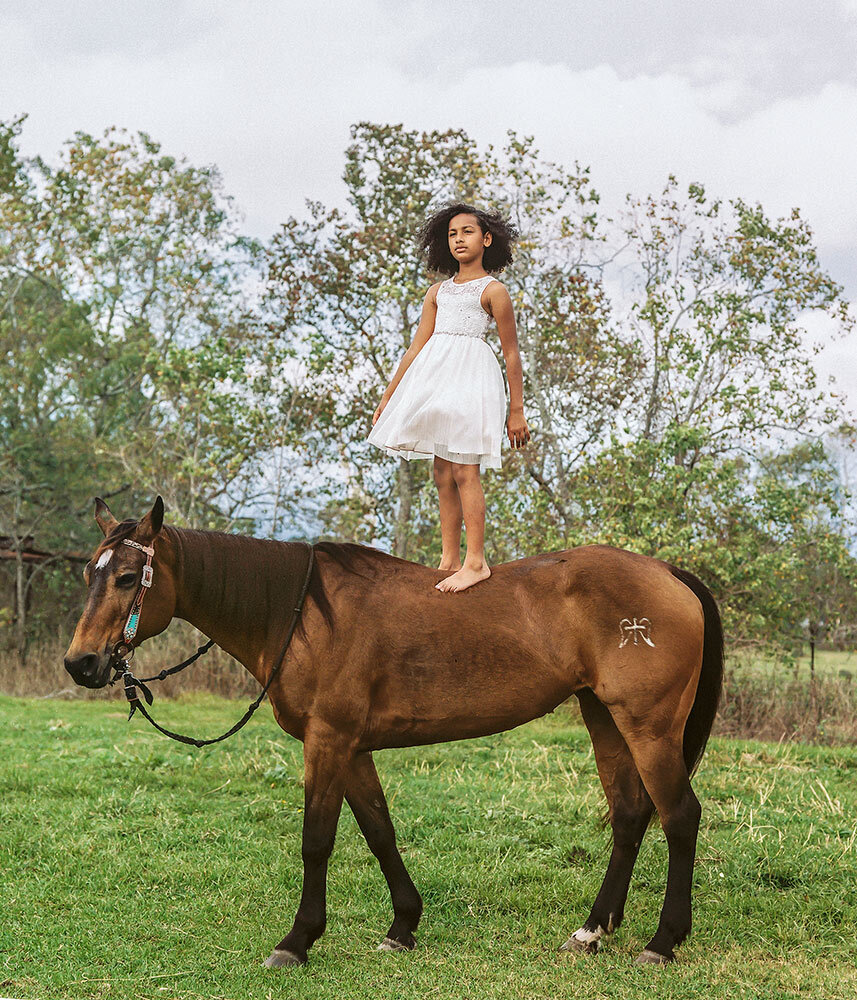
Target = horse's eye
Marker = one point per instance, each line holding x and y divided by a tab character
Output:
126	580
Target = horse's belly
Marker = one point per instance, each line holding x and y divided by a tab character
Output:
421	732
465	696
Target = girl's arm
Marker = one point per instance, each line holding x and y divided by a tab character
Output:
421	338
500	306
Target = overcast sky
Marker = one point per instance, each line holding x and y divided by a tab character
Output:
757	99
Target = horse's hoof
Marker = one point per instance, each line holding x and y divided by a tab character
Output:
388	944
279	957
581	947
647	957
584	942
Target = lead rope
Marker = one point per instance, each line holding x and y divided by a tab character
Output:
142	682
131	682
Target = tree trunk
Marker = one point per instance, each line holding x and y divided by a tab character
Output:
20	606
403	514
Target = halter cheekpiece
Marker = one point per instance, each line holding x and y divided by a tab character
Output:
129	633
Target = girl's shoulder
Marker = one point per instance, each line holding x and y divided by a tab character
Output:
494	286
431	294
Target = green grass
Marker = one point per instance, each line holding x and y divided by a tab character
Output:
134	868
828	663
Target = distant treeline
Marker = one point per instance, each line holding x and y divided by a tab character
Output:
148	346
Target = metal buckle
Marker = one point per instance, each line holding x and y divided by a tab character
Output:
120	658
146	581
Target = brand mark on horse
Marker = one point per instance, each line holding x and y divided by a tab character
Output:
632	628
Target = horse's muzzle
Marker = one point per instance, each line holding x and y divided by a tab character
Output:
90	670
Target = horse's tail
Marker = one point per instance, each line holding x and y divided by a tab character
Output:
704	708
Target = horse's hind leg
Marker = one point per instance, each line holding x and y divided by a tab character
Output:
680	813
630	812
364	794
660	760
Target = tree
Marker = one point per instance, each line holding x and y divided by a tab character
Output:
579	373
152	245
719	293
122	302
764	534
345	291
40	329
816	581
662	351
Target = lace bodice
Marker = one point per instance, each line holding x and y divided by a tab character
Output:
459	308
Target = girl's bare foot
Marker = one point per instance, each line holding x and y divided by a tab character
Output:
465	577
449	564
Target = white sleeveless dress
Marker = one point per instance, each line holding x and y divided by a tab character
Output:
451	401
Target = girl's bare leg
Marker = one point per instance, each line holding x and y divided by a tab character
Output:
450	514
473	508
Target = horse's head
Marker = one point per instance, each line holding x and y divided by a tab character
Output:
113	577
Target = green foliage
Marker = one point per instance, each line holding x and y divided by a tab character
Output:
345	290
118	265
761	534
344	296
720	294
121	298
661	350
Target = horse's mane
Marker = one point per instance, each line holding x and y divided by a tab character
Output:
288	557
360	559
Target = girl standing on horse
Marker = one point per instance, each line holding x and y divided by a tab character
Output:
447	400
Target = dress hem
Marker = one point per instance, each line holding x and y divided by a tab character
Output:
419	450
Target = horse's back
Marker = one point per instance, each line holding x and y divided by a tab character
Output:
446	666
586	599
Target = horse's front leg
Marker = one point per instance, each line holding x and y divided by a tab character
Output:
327	756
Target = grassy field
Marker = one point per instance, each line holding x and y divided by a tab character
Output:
134	868
828	663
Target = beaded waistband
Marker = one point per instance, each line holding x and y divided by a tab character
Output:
459	333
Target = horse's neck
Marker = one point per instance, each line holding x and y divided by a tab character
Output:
224	586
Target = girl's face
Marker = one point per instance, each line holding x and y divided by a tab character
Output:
467	242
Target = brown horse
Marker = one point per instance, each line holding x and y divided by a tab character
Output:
383	659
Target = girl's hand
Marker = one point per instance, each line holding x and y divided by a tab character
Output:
517	429
378	411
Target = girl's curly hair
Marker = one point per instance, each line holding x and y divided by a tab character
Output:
433	238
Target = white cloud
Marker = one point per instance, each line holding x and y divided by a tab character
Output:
268	93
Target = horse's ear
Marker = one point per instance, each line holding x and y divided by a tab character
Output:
103	518
151	524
